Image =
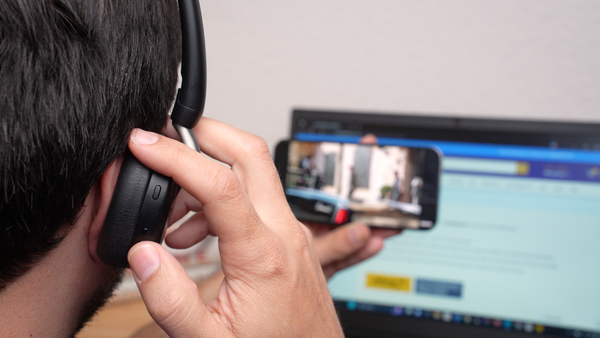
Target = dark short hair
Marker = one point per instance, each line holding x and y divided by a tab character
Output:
76	76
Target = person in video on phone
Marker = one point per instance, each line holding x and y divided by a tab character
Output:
396	188
353	182
304	178
81	80
416	184
317	168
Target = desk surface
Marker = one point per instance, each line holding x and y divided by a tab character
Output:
120	320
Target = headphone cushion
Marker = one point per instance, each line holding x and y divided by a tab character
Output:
123	212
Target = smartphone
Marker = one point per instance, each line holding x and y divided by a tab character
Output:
382	186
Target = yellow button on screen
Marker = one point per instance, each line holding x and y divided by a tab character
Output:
388	282
523	168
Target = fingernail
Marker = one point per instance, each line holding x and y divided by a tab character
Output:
143	261
140	136
357	235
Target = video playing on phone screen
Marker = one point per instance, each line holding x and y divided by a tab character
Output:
382	186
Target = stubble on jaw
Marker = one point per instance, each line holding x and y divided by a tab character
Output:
110	281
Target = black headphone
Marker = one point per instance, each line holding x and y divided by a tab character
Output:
143	198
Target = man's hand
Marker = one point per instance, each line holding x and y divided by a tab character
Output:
273	285
341	247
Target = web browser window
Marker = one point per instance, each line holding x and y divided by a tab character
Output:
516	225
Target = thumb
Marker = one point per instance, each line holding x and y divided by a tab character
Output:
171	297
341	242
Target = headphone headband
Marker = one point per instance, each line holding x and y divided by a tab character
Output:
191	97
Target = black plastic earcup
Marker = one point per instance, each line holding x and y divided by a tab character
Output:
138	211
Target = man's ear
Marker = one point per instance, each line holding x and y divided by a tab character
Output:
105	187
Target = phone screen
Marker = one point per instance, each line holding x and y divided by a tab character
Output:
382	186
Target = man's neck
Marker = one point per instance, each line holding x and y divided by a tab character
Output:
48	300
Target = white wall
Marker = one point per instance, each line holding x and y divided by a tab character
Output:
532	59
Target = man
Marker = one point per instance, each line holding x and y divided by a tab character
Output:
76	77
397	188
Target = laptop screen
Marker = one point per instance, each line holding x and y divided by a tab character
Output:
515	248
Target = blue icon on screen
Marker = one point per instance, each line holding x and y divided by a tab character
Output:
397	311
351	306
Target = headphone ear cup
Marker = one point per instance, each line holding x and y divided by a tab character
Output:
123	213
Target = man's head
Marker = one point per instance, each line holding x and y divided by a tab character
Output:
76	76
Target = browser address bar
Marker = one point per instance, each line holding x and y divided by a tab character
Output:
485	166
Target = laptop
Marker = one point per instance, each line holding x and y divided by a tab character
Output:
516	248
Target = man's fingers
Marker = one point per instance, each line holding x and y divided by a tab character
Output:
385	233
341	242
189	233
372	247
171	297
224	200
250	159
184	203
229	144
